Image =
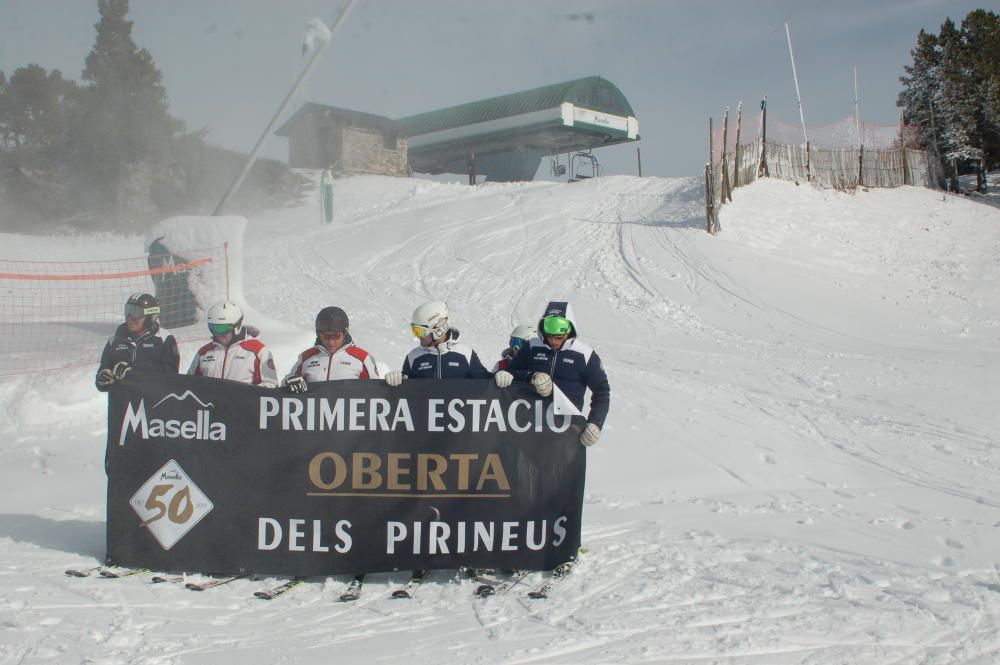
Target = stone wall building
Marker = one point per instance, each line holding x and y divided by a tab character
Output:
344	141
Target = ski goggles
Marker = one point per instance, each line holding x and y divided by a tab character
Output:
419	330
331	333
517	342
138	311
556	325
221	328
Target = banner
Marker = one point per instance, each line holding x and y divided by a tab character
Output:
353	476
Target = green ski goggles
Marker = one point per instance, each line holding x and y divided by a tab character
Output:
221	328
556	325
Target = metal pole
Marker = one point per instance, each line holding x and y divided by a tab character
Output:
857	108
798	97
281	110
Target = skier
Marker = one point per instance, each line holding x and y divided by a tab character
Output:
519	337
440	354
137	344
235	353
334	355
560	356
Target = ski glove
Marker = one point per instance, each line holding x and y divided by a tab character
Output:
297	384
120	370
394	378
503	378
104	379
590	435
542	383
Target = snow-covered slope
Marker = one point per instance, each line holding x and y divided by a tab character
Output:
800	465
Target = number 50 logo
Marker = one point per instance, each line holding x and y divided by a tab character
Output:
170	504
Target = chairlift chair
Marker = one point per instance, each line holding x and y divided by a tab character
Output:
583	166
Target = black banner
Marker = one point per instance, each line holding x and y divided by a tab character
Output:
353	476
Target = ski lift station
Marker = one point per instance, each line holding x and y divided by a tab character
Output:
503	138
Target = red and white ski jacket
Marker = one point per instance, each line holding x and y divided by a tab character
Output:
247	361
348	362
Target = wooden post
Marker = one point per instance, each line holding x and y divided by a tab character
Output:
736	152
861	161
709	198
762	169
808	163
726	193
902	147
711	156
638	158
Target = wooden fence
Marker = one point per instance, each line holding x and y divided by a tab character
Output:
844	169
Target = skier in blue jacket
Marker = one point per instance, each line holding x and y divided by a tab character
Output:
440	354
558	355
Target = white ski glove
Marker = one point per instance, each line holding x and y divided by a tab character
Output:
105	379
503	378
542	383
120	370
394	378
297	384
590	434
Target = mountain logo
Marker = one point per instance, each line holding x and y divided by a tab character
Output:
200	428
181	398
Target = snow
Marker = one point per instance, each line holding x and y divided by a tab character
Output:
180	235
800	464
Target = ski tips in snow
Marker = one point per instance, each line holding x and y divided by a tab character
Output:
202	586
409	589
271	594
82	572
115	572
354	589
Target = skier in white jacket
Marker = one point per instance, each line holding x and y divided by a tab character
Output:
235	353
333	356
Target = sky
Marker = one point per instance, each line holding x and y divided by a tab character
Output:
228	64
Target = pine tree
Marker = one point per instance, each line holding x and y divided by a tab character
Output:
952	90
981	40
917	98
34	106
956	97
123	124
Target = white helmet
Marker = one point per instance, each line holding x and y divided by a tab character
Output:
225	316
525	332
431	317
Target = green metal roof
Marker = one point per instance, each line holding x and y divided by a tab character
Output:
592	92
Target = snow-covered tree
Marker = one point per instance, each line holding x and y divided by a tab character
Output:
952	89
920	85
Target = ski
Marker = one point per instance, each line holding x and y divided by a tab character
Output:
354	589
409	589
214	583
159	579
114	572
490	587
559	573
82	572
271	594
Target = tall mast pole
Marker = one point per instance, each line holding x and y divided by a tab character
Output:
857	109
798	97
281	110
